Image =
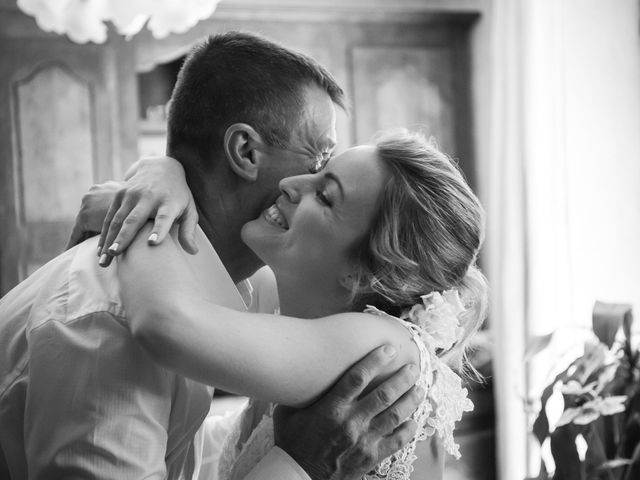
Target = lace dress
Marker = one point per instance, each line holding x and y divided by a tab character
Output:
251	437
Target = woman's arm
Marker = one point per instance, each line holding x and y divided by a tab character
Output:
175	317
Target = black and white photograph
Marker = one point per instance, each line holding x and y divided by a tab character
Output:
320	239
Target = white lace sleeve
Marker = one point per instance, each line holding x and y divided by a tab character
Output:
444	403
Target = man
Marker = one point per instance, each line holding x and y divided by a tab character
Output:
79	398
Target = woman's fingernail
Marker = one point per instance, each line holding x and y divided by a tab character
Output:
414	370
103	260
390	351
114	248
153	238
99	250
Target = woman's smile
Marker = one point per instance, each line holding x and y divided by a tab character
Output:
275	217
317	221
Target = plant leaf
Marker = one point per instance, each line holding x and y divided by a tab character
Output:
631	435
627	323
633	472
615	463
543	475
541	423
536	344
596	453
565	454
607	319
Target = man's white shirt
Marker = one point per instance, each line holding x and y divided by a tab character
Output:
78	396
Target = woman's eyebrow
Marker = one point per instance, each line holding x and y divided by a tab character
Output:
332	176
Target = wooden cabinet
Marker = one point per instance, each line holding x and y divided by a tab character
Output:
67	120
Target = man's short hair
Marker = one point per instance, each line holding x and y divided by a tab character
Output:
239	77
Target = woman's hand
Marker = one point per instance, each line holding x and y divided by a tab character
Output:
155	188
94	207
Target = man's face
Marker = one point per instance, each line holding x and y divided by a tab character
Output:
310	146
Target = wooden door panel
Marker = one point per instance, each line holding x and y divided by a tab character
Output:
55	142
57	117
404	87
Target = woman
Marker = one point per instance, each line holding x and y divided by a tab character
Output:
378	247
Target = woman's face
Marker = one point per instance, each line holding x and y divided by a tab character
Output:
310	232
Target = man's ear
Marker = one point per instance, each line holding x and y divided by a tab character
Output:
240	142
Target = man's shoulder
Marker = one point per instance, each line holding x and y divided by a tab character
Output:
68	286
92	288
60	302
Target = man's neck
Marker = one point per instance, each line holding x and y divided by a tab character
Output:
236	257
221	221
224	205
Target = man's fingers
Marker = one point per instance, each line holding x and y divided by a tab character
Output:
386	394
162	224
398	439
387	421
353	383
187	230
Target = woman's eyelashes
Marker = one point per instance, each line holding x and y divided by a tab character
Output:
323	198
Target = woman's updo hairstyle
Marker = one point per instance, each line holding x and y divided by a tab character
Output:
426	237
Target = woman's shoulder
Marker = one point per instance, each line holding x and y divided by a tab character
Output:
370	329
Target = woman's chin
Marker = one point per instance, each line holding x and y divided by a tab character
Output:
257	237
248	233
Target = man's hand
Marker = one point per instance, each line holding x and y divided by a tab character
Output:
343	436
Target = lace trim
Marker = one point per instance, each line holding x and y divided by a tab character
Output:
240	456
444	403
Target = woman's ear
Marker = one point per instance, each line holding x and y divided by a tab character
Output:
240	142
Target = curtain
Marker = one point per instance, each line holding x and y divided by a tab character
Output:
503	195
561	185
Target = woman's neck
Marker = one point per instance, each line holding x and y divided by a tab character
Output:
299	299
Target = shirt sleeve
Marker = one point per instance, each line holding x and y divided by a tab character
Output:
97	407
277	465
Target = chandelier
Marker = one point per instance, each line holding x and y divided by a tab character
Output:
84	20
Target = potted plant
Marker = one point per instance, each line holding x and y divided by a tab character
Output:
598	434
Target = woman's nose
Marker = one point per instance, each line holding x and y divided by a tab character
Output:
293	187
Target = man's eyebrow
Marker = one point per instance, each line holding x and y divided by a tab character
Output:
332	176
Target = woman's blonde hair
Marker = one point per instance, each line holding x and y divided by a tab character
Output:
426	237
